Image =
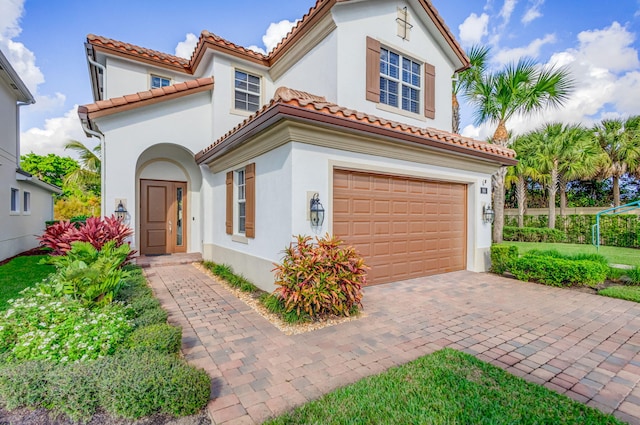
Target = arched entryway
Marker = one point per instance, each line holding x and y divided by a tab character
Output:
168	187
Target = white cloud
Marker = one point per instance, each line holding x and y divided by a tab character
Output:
606	71
533	12
276	32
10	13
55	134
532	50
473	29
507	10
185	48
257	49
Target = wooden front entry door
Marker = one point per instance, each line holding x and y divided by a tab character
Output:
163	211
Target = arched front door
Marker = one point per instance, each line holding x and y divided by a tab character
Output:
163	206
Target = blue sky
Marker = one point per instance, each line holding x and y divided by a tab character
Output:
597	40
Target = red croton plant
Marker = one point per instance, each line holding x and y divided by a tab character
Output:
321	279
96	230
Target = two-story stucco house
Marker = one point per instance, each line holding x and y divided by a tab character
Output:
222	154
26	201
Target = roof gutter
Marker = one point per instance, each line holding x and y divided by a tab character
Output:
100	92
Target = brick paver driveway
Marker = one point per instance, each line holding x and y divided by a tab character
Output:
582	345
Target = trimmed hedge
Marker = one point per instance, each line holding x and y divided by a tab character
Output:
532	234
160	337
621	230
557	270
502	257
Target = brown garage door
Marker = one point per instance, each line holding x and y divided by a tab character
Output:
403	227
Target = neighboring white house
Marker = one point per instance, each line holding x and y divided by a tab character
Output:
26	201
354	105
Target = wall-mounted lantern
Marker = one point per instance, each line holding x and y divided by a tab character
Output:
487	214
316	211
121	211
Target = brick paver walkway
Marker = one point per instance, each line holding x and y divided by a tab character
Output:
581	345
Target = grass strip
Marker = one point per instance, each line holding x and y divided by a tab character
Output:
20	273
446	387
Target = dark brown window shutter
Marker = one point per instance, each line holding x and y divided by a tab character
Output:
429	91
250	202
229	221
373	70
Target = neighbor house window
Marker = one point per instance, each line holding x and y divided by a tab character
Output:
240	208
15	200
399	81
26	202
241	200
158	82
247	91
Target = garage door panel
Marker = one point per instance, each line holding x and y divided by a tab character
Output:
403	227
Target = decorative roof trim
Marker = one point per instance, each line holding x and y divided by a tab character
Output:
114	105
208	40
294	104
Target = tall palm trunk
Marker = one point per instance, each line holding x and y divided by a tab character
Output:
616	190
521	195
562	189
552	191
501	138
455	114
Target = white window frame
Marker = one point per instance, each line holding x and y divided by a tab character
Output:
26	202
239	90
162	79
240	201
405	79
14	201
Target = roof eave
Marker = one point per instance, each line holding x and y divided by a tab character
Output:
15	82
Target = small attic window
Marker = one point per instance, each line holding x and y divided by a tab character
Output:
404	23
159	82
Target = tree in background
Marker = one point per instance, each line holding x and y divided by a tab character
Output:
87	176
522	88
49	168
478	65
620	140
519	174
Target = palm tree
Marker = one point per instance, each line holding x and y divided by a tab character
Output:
478	64
620	140
519	89
87	176
519	174
562	152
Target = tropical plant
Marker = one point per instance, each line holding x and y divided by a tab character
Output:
88	175
620	140
320	279
519	174
519	89
464	79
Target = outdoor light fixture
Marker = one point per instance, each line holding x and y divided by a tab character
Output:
316	211
487	214
121	211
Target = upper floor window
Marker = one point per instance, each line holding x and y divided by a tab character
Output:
15	200
158	82
399	81
247	91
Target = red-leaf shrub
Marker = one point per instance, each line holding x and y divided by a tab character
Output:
321	279
97	231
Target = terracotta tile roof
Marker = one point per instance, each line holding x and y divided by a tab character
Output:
369	123
138	52
144	98
210	40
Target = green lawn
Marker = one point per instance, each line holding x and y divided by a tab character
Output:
20	273
613	254
446	387
629	293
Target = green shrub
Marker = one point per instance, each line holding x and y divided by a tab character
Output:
275	304
88	274
72	390
320	279
140	383
557	271
634	276
38	326
160	337
502	256
225	272
23	384
532	234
